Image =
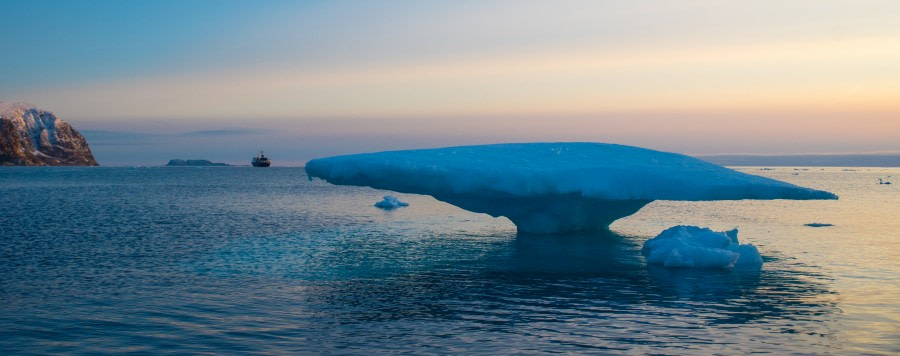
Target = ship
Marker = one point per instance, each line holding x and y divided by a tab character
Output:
261	160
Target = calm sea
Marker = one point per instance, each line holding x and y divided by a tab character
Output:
233	260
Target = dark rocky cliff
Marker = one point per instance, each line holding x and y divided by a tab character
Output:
33	137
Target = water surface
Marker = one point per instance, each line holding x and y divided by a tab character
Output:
109	260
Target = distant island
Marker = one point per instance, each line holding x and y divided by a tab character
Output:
194	163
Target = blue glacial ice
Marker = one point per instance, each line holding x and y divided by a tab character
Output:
390	202
695	247
552	187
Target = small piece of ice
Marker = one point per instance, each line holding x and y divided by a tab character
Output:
696	247
815	224
390	202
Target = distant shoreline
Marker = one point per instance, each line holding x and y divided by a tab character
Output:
194	163
845	160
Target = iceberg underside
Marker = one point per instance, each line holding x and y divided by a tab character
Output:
552	187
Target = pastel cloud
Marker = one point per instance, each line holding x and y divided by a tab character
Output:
850	74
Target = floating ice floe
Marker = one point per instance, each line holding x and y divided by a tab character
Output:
815	224
390	202
696	247
552	187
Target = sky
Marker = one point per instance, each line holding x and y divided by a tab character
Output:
147	81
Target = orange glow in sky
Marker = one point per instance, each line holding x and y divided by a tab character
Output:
798	76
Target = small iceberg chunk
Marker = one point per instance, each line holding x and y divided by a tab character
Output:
815	224
390	202
696	247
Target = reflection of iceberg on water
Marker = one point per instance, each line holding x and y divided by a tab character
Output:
552	187
695	247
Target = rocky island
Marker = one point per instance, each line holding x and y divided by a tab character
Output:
194	163
34	137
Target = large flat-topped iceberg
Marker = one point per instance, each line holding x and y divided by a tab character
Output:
552	187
